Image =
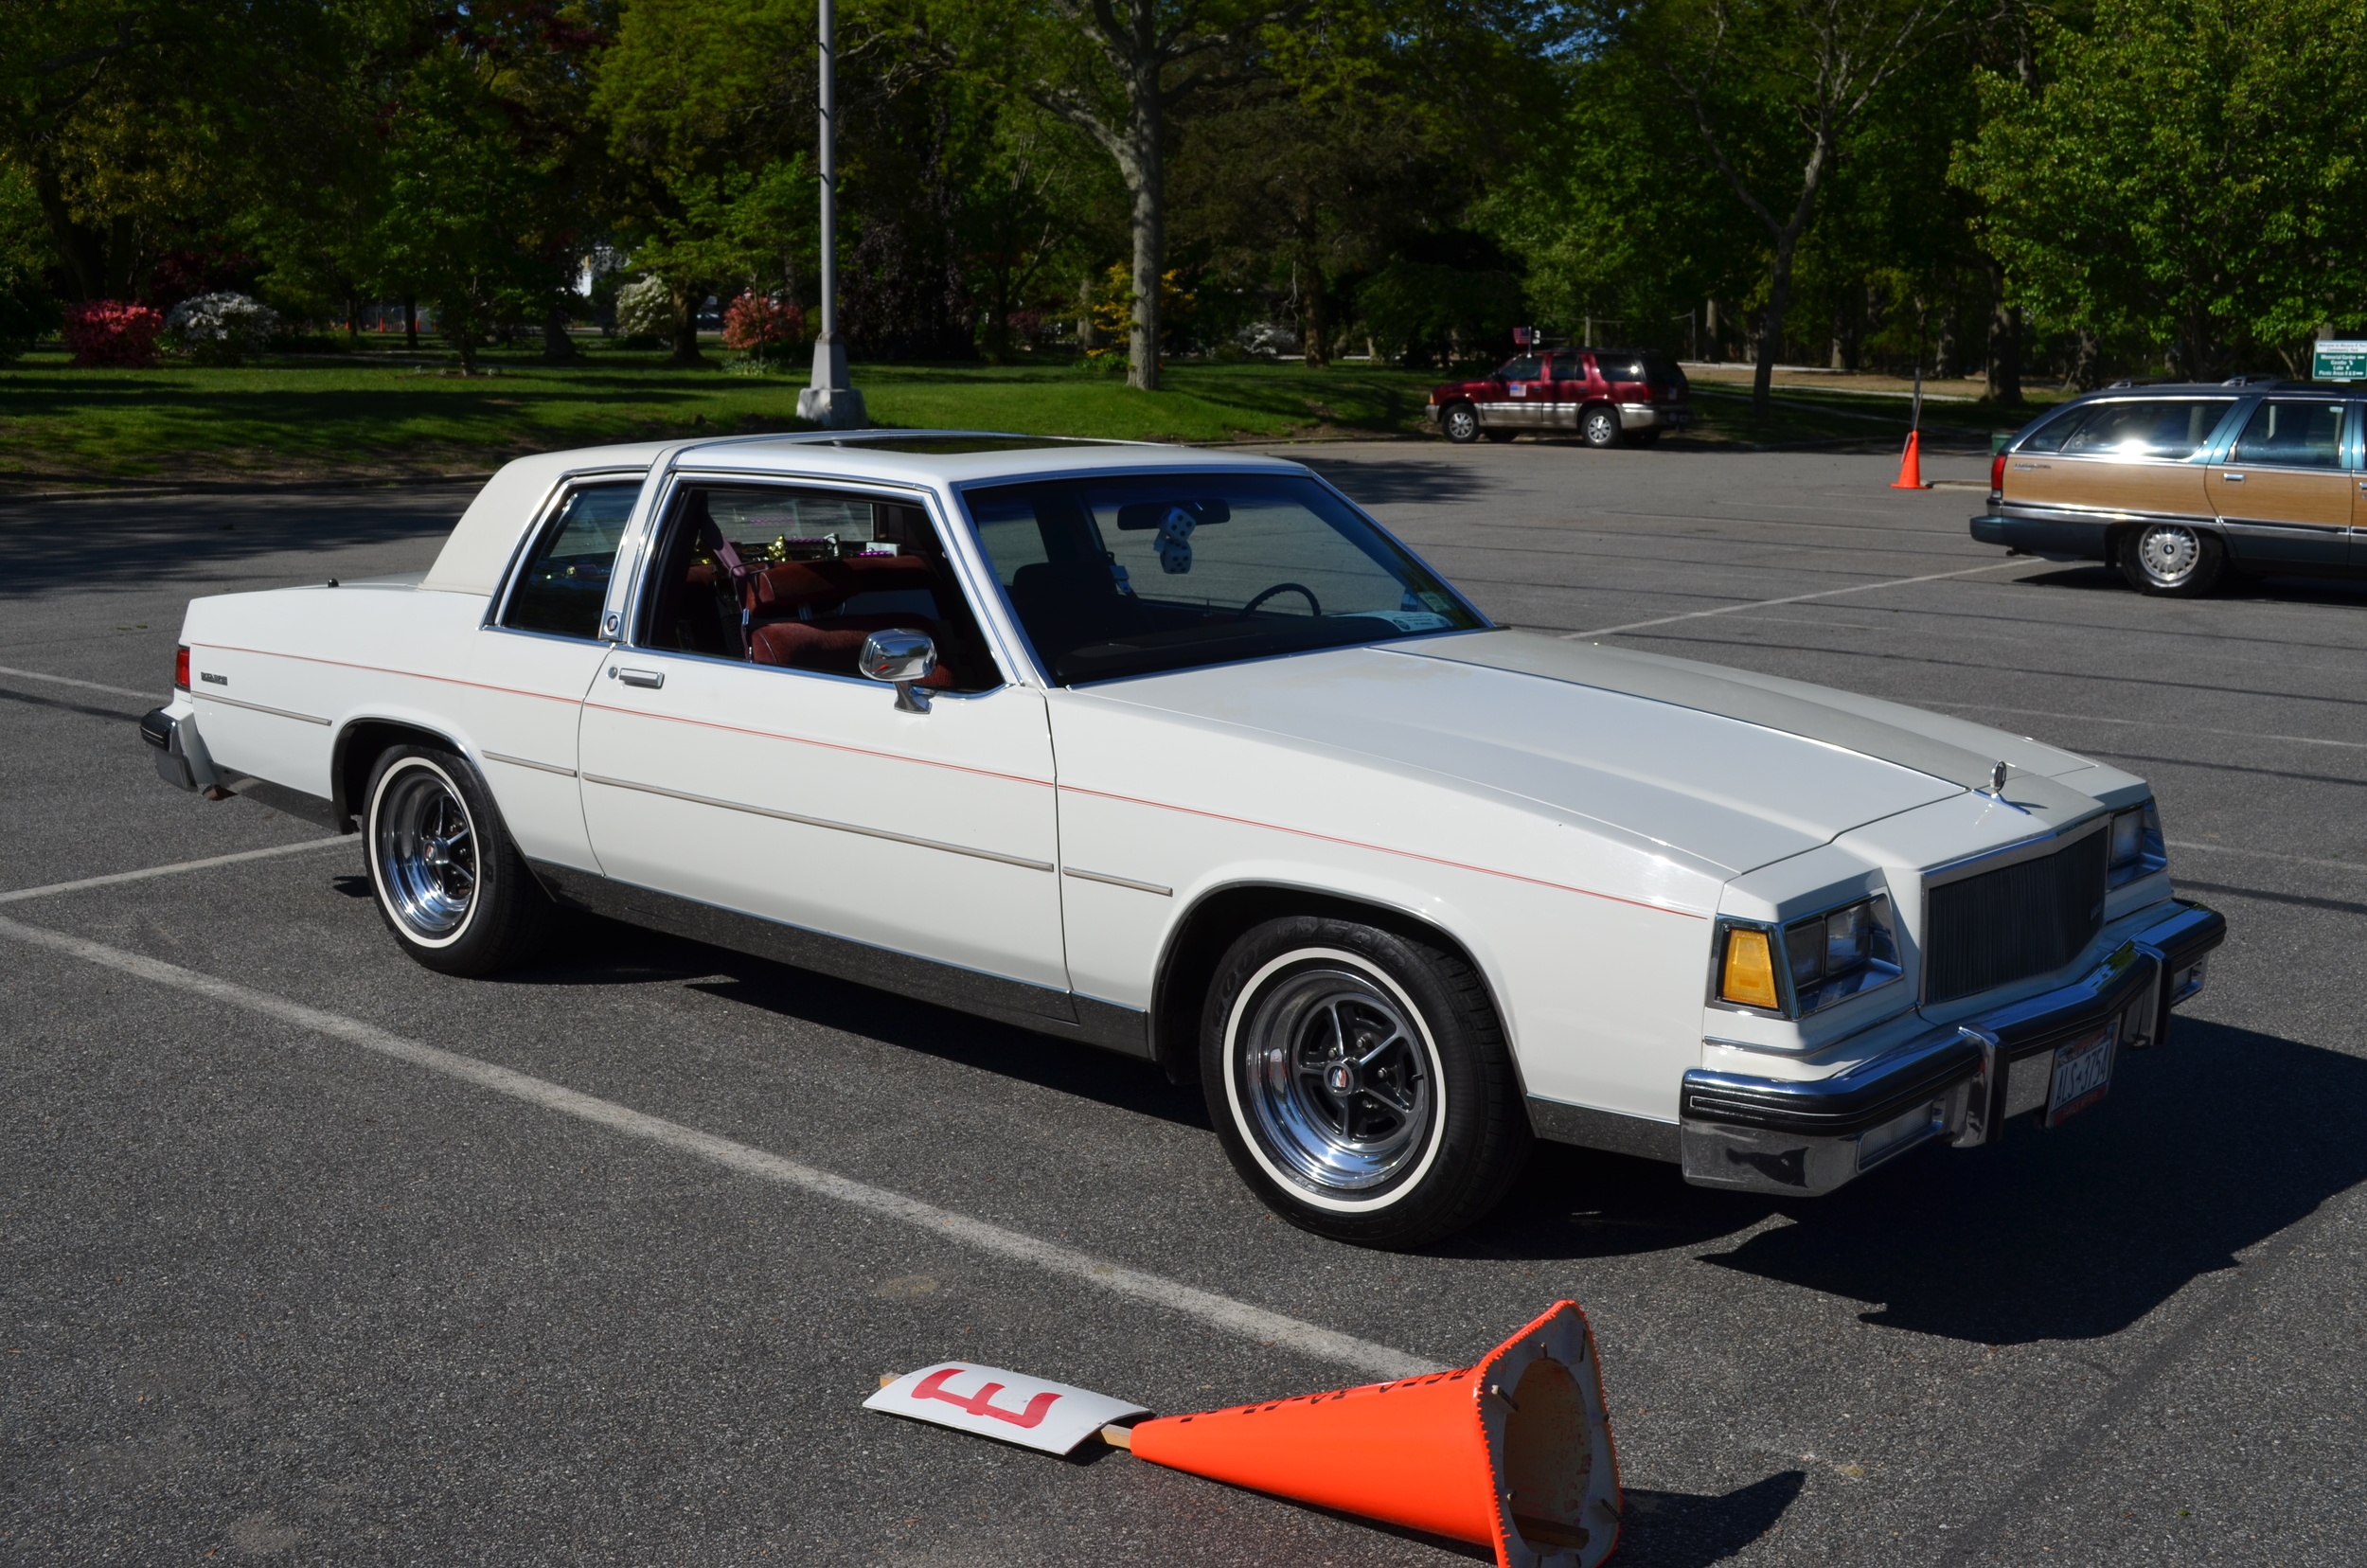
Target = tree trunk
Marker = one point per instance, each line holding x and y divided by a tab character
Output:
1948	355
685	302
557	348
1771	324
2086	374
2005	385
1712	345
1146	182
1312	323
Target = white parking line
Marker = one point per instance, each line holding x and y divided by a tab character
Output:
2178	724
52	890
1796	598
86	686
2268	854
1216	1311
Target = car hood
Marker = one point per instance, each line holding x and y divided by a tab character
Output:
1724	766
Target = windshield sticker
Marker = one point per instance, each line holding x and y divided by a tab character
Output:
1412	620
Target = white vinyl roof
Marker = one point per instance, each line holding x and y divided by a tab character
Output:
480	546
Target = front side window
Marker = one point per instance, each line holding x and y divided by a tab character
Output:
1137	574
2293	432
796	578
1522	369
2165	429
564	581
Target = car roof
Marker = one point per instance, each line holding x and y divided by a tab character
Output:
2235	386
473	559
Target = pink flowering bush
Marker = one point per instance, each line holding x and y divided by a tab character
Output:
112	333
762	327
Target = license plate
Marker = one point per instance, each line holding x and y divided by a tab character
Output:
2083	1071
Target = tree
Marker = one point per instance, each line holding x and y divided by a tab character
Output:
1122	71
1773	88
2191	171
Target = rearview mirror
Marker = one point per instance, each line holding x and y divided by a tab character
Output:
1143	516
903	658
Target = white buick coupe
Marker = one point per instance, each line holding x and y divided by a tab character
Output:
1181	755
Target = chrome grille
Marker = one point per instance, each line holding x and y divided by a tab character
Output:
2009	924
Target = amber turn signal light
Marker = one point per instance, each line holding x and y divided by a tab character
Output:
1750	975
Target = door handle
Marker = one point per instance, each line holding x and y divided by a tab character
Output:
652	678
2232	478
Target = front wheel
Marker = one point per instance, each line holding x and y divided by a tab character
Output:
1360	1081
1460	423
449	882
2172	559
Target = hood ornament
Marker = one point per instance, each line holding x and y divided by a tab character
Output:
1997	780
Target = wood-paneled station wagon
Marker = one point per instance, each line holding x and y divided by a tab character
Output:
1184	756
2180	486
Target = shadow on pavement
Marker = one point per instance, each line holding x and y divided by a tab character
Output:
1388	481
198	541
1666	1529
2205	1148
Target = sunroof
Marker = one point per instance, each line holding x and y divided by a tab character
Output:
950	446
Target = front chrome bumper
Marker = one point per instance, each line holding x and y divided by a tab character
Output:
1962	1081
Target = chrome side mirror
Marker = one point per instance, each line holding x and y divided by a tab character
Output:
904	658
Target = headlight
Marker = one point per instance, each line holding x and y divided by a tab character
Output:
1810	964
2136	849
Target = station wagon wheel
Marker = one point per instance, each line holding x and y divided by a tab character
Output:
1360	1081
1599	426
450	884
1460	423
2172	559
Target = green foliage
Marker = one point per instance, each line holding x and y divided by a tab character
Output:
2193	172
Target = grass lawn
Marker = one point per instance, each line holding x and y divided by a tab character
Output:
381	413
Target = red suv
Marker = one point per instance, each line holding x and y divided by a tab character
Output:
1611	397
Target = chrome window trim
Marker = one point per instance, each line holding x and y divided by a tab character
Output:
630	633
258	707
498	605
935	696
1021	642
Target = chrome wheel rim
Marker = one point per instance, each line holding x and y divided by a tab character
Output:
424	847
1462	424
1336	1082
2169	555
1599	429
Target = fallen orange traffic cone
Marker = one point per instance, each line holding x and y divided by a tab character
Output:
1513	1454
1910	465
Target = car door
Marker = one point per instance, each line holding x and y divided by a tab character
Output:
731	756
1526	394
536	656
1566	373
2284	493
2124	458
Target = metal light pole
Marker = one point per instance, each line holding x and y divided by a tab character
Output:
830	403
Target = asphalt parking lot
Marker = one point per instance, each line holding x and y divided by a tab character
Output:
274	1291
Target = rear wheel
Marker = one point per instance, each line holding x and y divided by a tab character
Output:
2172	559
449	882
1360	1081
1460	423
1599	426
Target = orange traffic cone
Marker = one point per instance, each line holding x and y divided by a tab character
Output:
1513	1454
1910	465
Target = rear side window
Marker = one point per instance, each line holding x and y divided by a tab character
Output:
565	580
2171	429
2293	432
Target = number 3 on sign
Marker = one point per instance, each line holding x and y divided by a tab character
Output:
1011	1406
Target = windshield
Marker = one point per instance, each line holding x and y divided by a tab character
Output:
1134	574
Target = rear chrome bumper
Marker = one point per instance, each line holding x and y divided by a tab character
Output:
163	731
1654	416
2057	536
1962	1081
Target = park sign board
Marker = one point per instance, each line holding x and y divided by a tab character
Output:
2342	359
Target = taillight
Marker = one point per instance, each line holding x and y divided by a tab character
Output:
181	668
1996	475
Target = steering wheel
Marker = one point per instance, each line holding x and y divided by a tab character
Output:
1248	609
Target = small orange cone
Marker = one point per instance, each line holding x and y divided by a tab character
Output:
1513	1454
1910	465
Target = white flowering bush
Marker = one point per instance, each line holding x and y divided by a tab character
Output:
221	328
644	310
